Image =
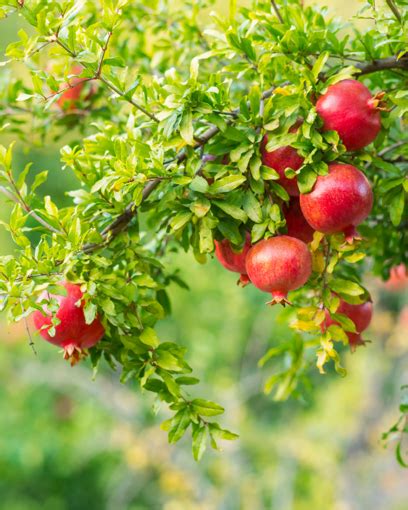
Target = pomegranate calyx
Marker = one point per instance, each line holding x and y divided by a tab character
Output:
279	298
351	234
73	353
243	280
377	103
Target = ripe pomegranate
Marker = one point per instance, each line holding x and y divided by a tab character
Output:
70	98
234	260
279	160
361	315
296	224
278	265
349	108
398	280
339	201
72	333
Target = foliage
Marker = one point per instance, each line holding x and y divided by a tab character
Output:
160	91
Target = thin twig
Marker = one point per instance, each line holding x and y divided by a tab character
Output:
275	8
128	99
392	147
394	9
104	49
28	210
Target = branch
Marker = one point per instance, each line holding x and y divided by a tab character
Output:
395	10
122	221
383	64
275	8
29	211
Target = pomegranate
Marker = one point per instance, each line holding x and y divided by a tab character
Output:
398	280
361	315
70	98
72	333
234	260
339	201
296	224
278	265
349	108
279	160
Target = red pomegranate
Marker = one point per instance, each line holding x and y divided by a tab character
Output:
72	333
296	224
279	160
234	260
361	315
279	265
339	201
349	108
398	279
70	98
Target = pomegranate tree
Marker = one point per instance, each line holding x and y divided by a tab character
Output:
72	333
175	159
339	201
279	265
349	108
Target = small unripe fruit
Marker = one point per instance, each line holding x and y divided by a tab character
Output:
279	265
73	334
339	201
349	108
296	224
360	314
234	260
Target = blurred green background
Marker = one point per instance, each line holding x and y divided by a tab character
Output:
70	443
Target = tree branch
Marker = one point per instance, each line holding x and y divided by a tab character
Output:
383	64
394	9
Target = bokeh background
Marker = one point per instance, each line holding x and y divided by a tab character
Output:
68	442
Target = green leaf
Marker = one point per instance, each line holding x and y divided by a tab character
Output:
306	179
252	207
227	184
199	442
200	207
232	210
347	287
178	425
397	206
206	407
149	337
180	220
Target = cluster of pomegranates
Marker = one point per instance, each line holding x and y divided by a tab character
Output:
338	202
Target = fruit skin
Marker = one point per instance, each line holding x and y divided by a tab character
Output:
339	201
70	98
72	333
279	160
296	224
278	265
361	315
349	108
234	260
398	280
